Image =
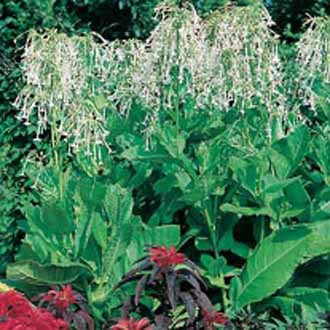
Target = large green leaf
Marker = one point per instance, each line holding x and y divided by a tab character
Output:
163	235
320	238
83	232
91	192
297	195
274	261
118	241
56	219
301	302
100	230
321	147
118	205
34	273
286	154
248	173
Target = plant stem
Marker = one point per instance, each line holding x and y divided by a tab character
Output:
225	301
58	161
176	88
212	230
262	231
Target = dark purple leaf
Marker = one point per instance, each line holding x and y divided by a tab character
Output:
126	308
67	316
194	271
162	322
139	289
190	304
38	297
80	298
190	278
141	260
126	280
171	286
202	300
88	319
156	271
133	274
79	322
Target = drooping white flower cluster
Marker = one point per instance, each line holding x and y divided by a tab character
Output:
232	59
71	83
314	61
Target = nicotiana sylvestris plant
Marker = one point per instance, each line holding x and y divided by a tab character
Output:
73	82
231	58
314	62
64	78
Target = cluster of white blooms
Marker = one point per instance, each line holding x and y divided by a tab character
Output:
232	59
314	59
62	81
71	83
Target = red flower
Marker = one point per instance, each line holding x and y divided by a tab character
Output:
131	324
13	304
36	319
61	325
164	257
61	299
211	317
17	313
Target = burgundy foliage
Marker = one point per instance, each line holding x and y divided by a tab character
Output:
67	304
171	278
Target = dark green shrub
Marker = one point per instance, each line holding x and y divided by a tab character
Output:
290	15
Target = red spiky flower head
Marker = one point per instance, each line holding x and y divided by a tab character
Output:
213	317
164	257
61	299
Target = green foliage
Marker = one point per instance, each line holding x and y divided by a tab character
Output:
290	15
34	273
90	238
206	142
301	302
142	13
274	261
16	141
132	18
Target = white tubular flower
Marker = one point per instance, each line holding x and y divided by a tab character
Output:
71	83
314	60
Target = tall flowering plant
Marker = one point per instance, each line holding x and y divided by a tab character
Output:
171	278
73	84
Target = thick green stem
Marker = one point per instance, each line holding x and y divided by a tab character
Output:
212	230
262	220
177	88
225	300
58	161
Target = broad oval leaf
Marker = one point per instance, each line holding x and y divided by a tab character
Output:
301	302
274	261
35	273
